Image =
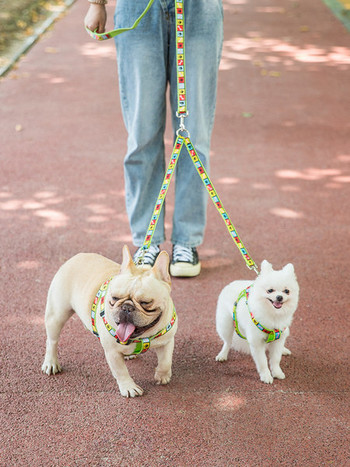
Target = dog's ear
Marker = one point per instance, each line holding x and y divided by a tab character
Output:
127	263
289	268
266	267
161	267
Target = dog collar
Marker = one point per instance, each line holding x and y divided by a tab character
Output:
142	344
272	334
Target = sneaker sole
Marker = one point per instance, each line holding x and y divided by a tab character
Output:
185	269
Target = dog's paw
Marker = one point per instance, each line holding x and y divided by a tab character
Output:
278	373
130	390
130	357
266	377
51	367
221	357
286	351
162	378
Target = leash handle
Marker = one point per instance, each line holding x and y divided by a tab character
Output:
109	35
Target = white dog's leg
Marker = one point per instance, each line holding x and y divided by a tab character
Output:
260	359
285	334
55	319
275	355
225	330
165	357
223	354
127	386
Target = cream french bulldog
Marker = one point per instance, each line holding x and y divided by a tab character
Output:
131	311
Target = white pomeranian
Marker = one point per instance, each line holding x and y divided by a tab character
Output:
254	316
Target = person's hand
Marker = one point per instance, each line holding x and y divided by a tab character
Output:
96	18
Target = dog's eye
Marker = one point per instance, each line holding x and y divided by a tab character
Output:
270	291
286	291
147	306
113	300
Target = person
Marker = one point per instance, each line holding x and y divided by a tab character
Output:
146	67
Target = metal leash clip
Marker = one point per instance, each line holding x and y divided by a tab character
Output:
182	127
253	268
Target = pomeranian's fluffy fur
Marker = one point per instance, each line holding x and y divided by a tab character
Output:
273	299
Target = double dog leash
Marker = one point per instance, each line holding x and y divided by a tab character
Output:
182	137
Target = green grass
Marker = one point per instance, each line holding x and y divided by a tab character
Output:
19	17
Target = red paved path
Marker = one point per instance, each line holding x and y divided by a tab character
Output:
280	162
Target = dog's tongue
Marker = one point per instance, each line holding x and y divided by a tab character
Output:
277	304
124	331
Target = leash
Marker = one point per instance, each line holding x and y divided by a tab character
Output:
109	35
182	137
272	334
142	344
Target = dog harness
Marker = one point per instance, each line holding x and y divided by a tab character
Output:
142	344
272	334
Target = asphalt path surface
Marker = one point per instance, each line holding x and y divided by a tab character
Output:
280	163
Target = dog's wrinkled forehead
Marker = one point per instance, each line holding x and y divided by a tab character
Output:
142	287
125	284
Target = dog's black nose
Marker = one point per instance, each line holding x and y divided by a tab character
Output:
128	307
279	298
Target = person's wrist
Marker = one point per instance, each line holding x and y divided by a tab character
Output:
98	2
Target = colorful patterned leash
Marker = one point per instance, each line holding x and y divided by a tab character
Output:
182	113
161	197
182	136
109	35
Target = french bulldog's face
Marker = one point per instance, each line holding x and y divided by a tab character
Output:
137	300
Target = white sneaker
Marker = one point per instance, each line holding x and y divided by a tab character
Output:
185	262
149	256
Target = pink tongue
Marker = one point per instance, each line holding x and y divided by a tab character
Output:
124	331
277	304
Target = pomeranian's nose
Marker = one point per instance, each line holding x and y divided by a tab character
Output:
279	298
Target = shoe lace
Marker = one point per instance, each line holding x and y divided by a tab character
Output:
182	254
149	256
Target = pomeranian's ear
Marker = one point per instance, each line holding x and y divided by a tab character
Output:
266	267
289	268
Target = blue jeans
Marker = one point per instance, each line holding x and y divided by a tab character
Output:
146	64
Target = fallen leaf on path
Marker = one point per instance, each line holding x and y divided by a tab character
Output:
51	50
275	74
